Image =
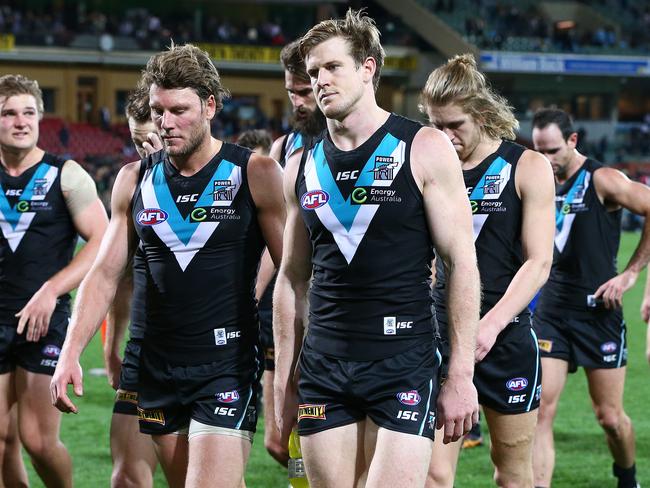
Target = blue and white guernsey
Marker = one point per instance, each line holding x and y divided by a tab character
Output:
371	245
37	235
587	236
201	244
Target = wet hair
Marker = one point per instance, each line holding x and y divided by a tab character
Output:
358	30
547	116
186	66
12	85
460	82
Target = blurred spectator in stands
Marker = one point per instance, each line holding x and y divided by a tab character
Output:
64	135
105	118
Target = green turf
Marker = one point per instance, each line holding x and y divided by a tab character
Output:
582	457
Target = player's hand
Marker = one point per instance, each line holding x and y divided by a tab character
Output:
286	408
153	143
66	373
612	291
485	339
113	363
36	315
457	407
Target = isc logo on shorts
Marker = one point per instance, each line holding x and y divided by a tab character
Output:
310	411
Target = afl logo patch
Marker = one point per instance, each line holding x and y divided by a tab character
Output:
51	351
410	398
516	384
608	347
228	396
151	216
314	199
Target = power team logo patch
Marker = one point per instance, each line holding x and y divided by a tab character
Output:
383	170
223	191
310	411
151	216
155	415
314	199
492	185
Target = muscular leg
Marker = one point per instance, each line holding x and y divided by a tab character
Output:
553	379
172	453
606	390
399	460
39	424
335	457
12	466
511	447
217	461
134	457
444	459
271	434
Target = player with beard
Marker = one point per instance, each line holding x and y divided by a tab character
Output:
203	210
307	121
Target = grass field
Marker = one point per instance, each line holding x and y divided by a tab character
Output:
582	457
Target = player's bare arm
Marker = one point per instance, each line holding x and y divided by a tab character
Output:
97	289
616	190
535	186
117	322
290	304
450	220
90	221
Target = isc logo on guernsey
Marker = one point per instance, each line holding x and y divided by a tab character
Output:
151	216
314	199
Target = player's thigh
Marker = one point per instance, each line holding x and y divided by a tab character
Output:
128	445
39	421
399	460
217	456
606	388
334	457
555	372
511	439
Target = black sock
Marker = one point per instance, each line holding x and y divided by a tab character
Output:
626	476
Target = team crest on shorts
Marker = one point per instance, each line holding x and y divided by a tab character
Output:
126	396
544	345
310	411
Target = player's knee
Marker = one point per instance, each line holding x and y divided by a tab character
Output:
39	447
123	477
512	480
612	420
440	475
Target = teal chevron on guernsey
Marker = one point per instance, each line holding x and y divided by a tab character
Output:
15	221
346	220
563	216
182	236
